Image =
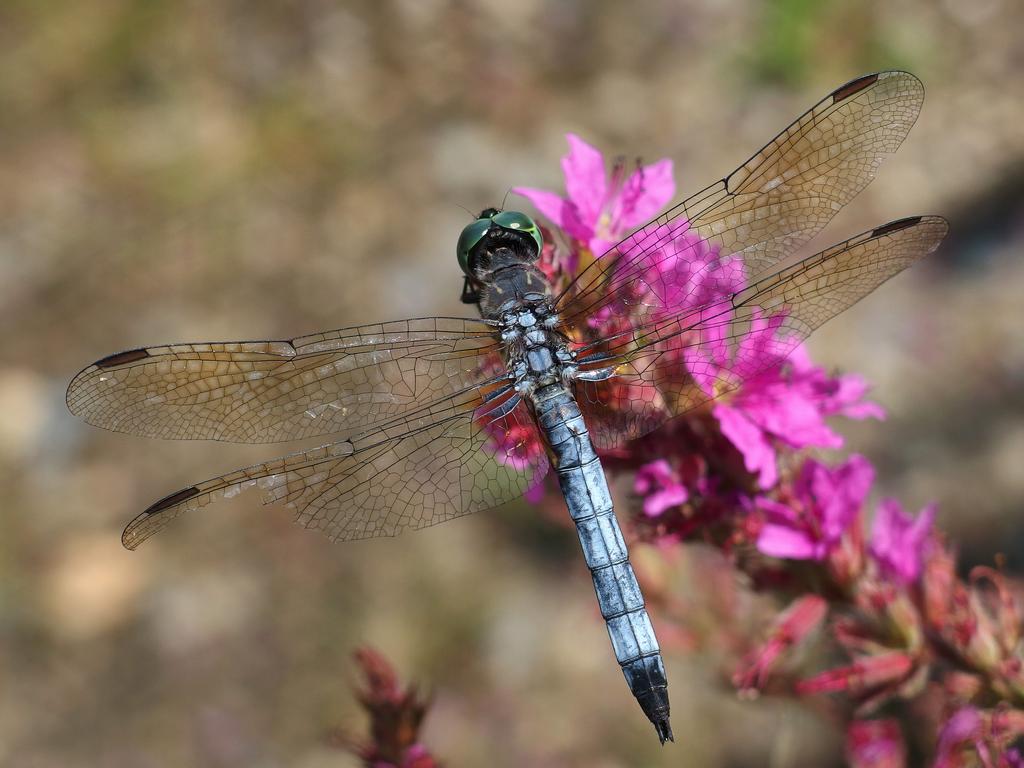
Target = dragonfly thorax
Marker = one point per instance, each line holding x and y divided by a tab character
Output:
506	281
536	354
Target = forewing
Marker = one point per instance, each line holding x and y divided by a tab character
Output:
419	470
271	391
770	205
668	366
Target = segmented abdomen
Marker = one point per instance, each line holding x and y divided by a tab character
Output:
581	478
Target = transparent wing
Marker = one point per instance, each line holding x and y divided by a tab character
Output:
621	408
675	362
774	202
435	464
271	391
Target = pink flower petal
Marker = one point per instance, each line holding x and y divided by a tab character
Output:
585	179
660	484
898	540
791	417
658	502
778	513
652	475
558	210
535	493
826	502
781	541
839	493
965	725
758	453
600	246
644	195
848	399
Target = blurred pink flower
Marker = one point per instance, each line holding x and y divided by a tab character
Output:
998	616
599	211
660	486
518	446
971	734
825	503
875	744
868	674
396	714
790	627
962	728
898	540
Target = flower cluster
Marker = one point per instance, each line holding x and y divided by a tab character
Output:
736	473
396	714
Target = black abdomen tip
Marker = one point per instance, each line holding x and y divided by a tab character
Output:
664	729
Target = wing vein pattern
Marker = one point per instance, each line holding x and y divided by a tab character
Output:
777	200
272	391
677	361
434	464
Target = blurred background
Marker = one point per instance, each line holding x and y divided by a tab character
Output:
194	171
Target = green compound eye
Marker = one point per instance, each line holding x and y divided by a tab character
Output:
475	232
520	222
469	239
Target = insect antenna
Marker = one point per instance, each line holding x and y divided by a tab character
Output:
460	205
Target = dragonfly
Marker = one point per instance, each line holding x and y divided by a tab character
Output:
426	415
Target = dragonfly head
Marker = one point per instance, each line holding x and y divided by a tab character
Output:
494	227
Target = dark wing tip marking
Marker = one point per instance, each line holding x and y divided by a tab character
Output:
136	531
171	500
852	87
896	226
112	361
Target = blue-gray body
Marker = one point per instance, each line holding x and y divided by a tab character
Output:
583	484
513	295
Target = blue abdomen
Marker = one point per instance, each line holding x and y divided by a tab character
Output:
581	478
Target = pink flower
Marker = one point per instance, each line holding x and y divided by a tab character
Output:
670	271
599	211
971	732
898	540
962	727
784	401
685	270
661	487
826	502
842	395
875	744
518	445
